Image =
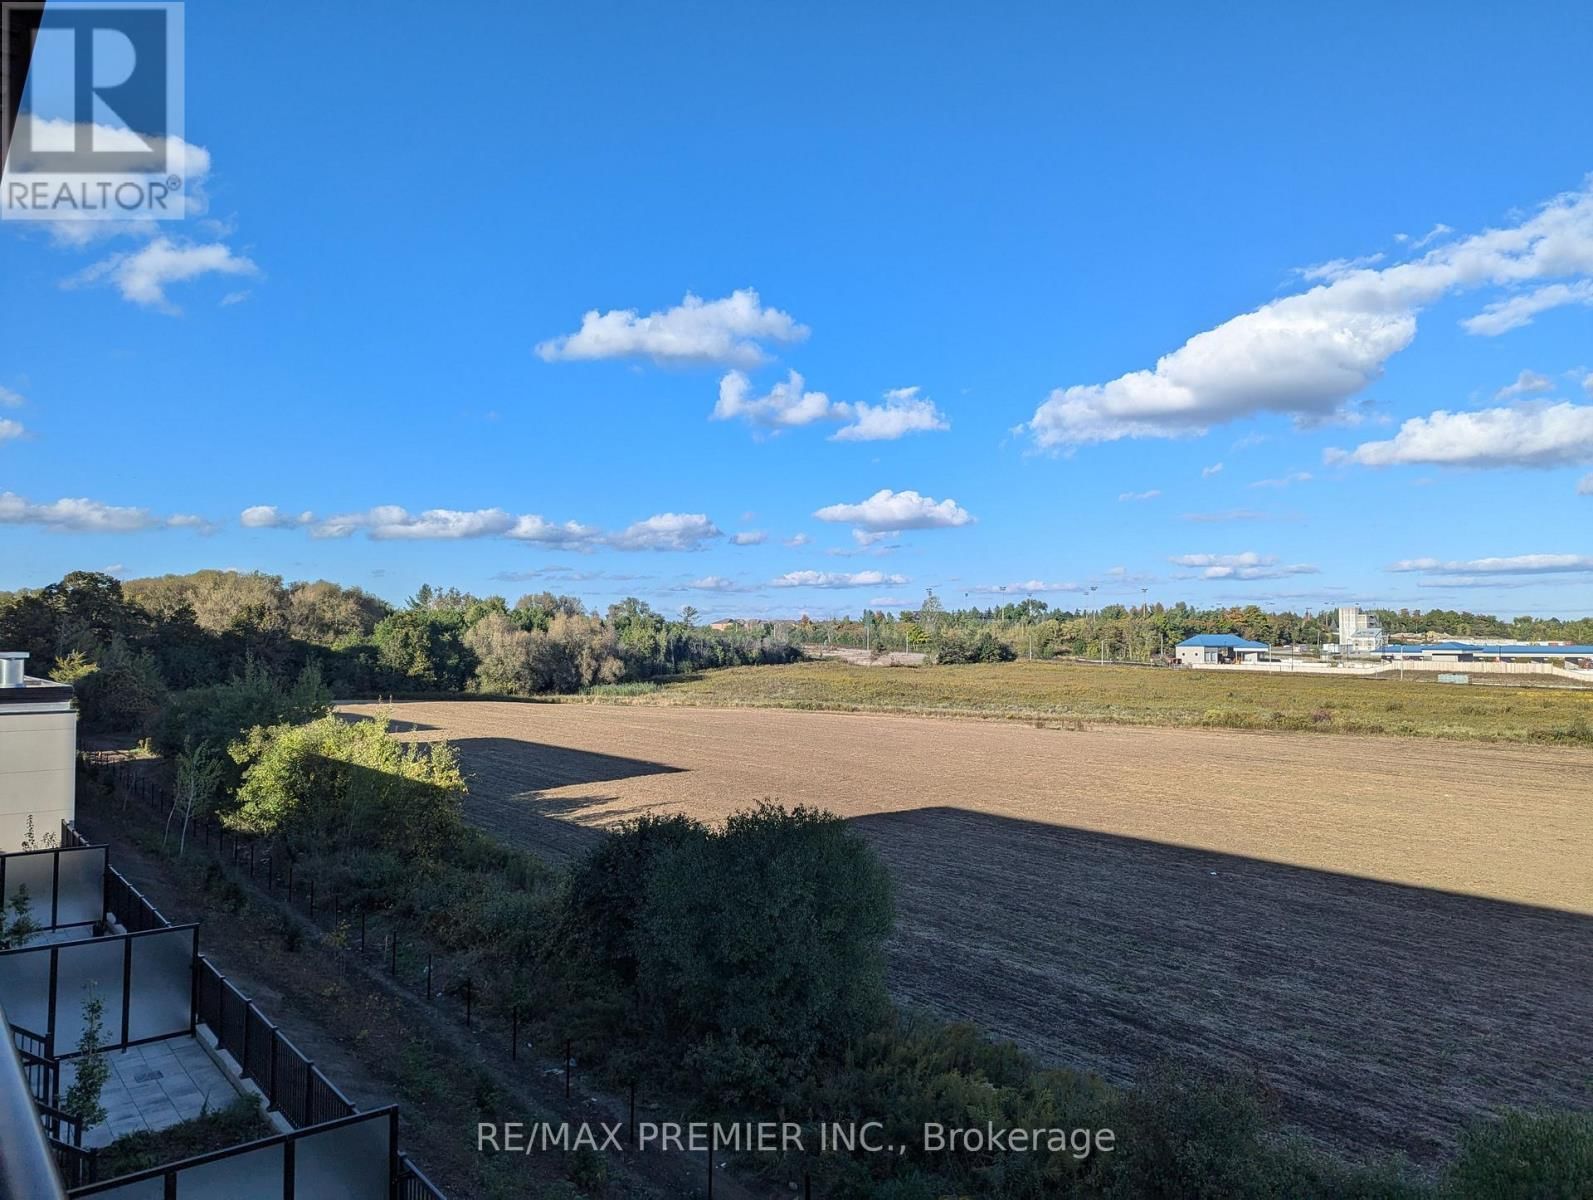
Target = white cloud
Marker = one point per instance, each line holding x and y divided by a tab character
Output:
143	275
1584	487
696	331
1135	496
89	516
904	412
1528	383
267	516
788	404
1338	267
892	512
1518	310
797	539
10	429
1283	481
837	579
1518	564
1309	353
666	531
10	399
189	162
1208	472
192	521
1522	435
1028	586
749	537
532	528
715	583
1248	565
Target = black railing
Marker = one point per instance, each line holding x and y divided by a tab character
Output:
132	910
293	1084
76	1165
301	1159
412	1183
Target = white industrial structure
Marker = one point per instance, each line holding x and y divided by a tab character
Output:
1360	633
38	754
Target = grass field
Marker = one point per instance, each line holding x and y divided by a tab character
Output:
1145	696
1393	934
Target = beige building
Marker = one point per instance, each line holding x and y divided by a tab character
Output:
38	754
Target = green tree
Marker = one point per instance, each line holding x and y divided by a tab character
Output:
19	929
92	1069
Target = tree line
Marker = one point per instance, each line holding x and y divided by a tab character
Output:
127	648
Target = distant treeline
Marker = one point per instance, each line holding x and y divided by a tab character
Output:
128	647
1032	628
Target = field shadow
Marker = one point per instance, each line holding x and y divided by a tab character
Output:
1378	1014
398	724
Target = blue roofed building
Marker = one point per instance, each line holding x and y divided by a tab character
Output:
1218	649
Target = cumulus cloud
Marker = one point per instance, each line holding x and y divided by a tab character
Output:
1307	354
715	583
1532	434
787	404
10	429
749	537
1248	565
904	411
81	515
1208	472
837	579
1135	496
695	331
391	522
797	539
887	512
189	162
1528	383
268	516
143	275
666	531
1517	564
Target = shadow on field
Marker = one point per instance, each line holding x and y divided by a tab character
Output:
1379	1014
399	724
515	807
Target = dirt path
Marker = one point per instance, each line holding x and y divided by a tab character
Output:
1395	933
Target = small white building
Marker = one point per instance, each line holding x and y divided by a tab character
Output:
1218	649
38	754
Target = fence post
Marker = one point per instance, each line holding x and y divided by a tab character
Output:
290	883
392	950
312	899
566	1068
469	995
271	1096
362	931
514	1034
309	1084
243	1063
428	979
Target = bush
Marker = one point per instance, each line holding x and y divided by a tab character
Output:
1525	1156
335	783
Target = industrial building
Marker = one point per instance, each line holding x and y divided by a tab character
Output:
38	753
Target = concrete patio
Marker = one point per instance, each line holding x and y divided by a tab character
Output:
156	1086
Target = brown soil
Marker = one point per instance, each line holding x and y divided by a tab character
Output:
1395	934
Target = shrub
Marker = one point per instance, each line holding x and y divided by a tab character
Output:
1525	1156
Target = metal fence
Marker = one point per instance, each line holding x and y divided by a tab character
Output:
293	1084
144	982
130	907
64	885
352	1158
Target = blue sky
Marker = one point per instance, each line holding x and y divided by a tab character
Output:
1376	225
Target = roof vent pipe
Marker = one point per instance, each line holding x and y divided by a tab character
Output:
11	668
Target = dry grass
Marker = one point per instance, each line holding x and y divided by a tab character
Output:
1394	934
1143	696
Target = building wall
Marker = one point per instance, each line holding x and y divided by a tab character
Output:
38	773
